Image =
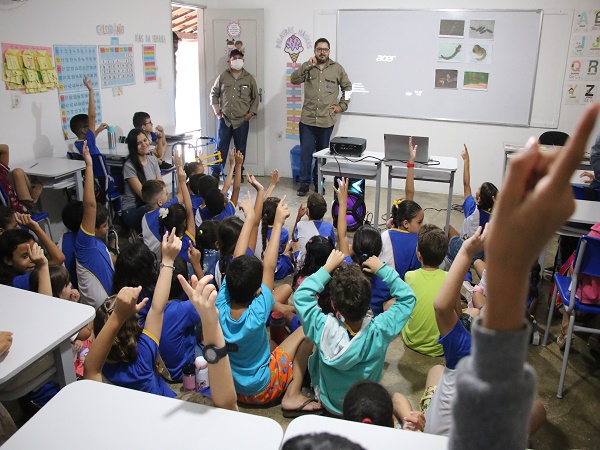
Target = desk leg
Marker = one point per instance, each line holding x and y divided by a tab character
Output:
79	185
321	188
450	191
63	358
377	194
389	195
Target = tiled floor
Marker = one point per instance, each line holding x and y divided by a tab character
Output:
573	422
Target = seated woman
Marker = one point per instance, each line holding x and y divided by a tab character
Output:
140	167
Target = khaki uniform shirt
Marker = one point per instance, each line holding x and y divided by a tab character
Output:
321	90
236	98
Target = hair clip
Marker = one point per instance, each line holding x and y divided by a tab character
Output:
367	420
163	213
200	231
397	202
365	255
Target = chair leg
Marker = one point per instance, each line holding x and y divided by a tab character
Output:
563	371
550	313
47	220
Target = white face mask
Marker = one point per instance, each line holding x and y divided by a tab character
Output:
237	64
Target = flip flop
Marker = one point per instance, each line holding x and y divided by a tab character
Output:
300	411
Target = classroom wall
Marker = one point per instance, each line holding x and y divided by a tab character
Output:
34	128
318	19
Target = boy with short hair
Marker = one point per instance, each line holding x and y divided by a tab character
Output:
421	332
84	125
315	209
95	267
142	121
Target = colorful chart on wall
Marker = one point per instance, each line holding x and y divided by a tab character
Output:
28	68
149	53
117	66
73	63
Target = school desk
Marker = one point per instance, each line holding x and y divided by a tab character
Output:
367	166
56	173
120	418
41	325
510	149
371	437
437	173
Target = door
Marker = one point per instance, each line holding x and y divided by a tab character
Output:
223	28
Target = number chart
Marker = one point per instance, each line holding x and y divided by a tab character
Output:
74	62
116	65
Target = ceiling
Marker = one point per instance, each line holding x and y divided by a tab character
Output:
185	22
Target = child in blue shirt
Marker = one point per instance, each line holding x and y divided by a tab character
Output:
84	125
123	352
72	215
95	268
142	121
315	209
193	185
284	263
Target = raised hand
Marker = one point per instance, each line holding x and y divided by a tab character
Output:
335	260
464	153
282	212
342	190
88	83
203	296
36	255
254	182
475	243
274	178
302	211
171	245
126	304
246	206
412	150
86	154
231	156
239	158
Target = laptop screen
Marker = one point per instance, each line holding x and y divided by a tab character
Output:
396	148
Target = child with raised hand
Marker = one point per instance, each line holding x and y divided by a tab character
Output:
350	345
84	125
55	255
95	268
244	305
131	350
20	255
399	242
207	243
203	296
315	209
71	215
284	264
496	376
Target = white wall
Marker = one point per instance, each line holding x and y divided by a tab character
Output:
34	129
484	141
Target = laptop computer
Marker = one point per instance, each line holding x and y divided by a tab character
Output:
396	148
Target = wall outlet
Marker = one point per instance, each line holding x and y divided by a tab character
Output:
280	135
15	99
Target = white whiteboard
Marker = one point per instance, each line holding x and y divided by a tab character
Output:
394	60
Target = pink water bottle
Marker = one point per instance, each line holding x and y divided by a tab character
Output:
277	327
201	373
189	377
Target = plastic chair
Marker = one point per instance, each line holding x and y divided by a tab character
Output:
37	217
587	262
553	138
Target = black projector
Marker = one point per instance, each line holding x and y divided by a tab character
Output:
347	146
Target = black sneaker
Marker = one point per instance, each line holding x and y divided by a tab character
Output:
302	190
165	166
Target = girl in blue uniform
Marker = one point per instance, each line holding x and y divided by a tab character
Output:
284	263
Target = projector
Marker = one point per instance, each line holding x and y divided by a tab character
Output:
347	146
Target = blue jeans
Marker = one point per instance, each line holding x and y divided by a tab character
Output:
132	217
312	139
224	135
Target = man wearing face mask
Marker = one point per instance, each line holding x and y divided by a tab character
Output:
234	98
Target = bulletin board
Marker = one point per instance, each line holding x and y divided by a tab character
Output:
458	65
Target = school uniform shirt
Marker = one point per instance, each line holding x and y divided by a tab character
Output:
250	364
90	137
187	241
203	213
399	250
140	374
307	229
421	331
22	281
284	263
197	202
151	170
474	218
95	269
151	228
178	337
341	359
67	246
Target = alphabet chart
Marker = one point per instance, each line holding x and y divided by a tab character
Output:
116	65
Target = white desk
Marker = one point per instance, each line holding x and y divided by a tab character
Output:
367	166
511	148
40	325
369	436
440	173
56	173
115	157
122	418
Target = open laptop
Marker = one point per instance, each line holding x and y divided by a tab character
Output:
396	148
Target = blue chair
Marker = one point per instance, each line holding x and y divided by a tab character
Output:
587	262
37	217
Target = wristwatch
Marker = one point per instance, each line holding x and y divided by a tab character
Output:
213	354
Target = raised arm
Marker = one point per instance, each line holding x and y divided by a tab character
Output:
342	221
466	171
229	177
161	144
237	179
272	251
55	255
448	295
258	206
409	187
89	198
171	245
203	296
184	194
299	75
273	184
125	306
36	255
91	104
244	239
302	211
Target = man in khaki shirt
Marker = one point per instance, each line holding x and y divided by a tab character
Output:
323	79
234	98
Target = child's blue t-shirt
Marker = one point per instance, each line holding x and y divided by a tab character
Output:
90	137
399	250
67	246
22	281
151	228
250	364
197	202
140	374
178	337
284	263
307	229
474	217
456	345
203	214
95	269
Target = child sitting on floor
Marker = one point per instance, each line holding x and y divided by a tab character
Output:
315	209
72	215
284	263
